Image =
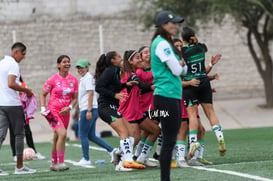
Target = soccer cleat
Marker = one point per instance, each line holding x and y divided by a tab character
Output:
194	162
193	147
120	168
39	156
83	162
146	162
173	164
181	163
222	146
62	167
115	157
156	156
2	173
132	164
24	170
54	167
204	161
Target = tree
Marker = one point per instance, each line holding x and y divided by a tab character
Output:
254	15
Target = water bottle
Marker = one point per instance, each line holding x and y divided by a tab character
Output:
100	162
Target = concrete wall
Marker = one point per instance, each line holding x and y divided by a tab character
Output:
71	27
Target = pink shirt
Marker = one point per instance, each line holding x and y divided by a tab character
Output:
146	99
61	91
130	107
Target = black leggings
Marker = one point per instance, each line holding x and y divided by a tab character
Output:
29	139
168	111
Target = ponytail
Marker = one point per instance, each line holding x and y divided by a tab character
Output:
103	62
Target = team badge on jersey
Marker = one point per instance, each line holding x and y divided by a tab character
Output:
167	51
48	87
71	84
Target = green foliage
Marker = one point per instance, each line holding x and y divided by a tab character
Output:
245	12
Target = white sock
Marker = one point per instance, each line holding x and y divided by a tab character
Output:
181	150
201	150
126	149
139	147
147	148
218	131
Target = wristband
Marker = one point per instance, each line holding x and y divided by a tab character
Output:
210	64
89	110
70	107
43	108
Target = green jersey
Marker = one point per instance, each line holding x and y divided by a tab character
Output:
194	56
166	83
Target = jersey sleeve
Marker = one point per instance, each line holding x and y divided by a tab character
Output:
164	51
204	46
49	84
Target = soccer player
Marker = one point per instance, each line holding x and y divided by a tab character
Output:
131	109
194	56
63	90
108	85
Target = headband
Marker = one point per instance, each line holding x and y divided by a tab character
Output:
132	55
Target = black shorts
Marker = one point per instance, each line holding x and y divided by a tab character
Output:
151	115
201	94
108	112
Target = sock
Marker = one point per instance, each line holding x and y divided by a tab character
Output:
60	156
148	145
193	136
54	158
159	143
132	141
139	146
125	147
181	149
201	148
218	131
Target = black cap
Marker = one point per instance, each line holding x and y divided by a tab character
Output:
165	17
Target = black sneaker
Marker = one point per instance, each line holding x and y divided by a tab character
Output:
156	156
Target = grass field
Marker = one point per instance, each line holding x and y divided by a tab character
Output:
249	157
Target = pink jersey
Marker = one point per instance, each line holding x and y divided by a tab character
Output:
61	91
146	99
130	107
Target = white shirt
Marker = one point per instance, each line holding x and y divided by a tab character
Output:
87	82
8	96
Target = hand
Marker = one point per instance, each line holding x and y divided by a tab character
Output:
29	92
131	83
65	110
121	96
88	116
216	76
215	59
153	87
194	82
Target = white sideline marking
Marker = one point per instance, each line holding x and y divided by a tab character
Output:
90	147
254	177
73	162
